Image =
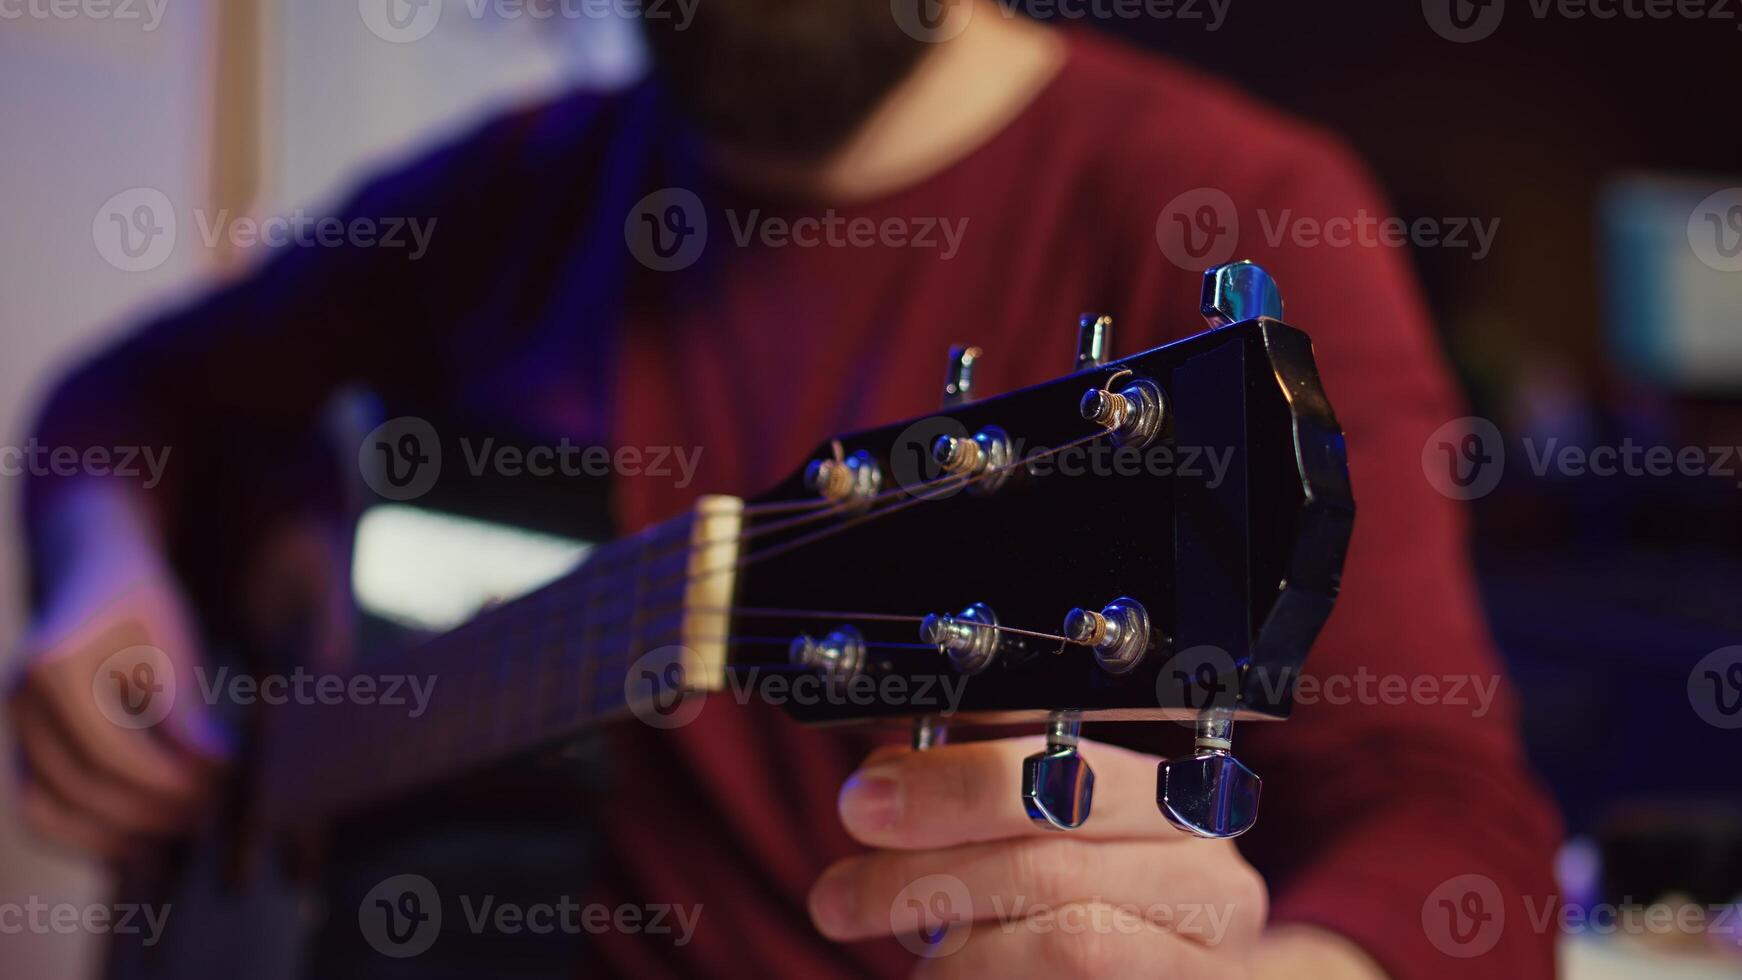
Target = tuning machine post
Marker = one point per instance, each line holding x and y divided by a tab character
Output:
930	730
1119	633
852	482
837	656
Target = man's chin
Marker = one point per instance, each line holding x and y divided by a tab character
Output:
787	79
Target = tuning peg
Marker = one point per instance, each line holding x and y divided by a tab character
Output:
1057	784
1212	794
959	375
929	730
1094	340
1239	291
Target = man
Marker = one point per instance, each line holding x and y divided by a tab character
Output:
1054	157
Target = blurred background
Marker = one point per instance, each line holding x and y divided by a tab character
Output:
1607	312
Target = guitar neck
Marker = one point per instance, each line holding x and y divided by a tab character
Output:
520	675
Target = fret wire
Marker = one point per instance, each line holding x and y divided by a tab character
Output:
458	656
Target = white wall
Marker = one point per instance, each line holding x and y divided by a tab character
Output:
95	107
92	108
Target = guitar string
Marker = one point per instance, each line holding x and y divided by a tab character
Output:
925	490
861	518
640	619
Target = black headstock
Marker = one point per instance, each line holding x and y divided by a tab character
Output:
1196	494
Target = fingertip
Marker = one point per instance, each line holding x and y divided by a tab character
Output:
871	802
831	903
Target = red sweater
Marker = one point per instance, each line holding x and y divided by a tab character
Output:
519	317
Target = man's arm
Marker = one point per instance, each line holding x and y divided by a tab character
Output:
196	399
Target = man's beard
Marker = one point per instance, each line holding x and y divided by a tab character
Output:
787	77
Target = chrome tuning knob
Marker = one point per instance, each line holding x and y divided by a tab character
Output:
929	730
969	638
1094	340
959	375
1057	784
851	482
1119	633
1212	794
1239	291
1133	415
984	459
839	655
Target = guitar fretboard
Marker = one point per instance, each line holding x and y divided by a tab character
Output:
517	676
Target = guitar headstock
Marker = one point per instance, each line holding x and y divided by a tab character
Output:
1155	537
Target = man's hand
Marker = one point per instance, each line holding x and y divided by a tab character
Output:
115	746
1125	895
